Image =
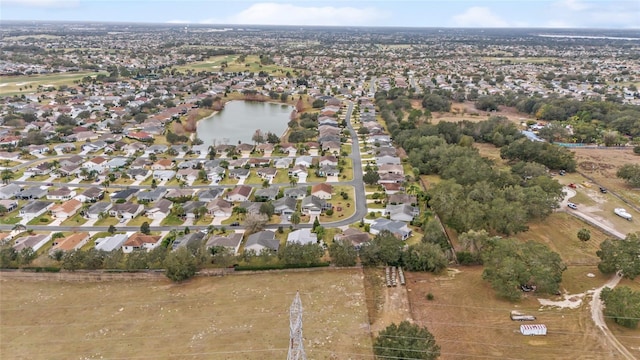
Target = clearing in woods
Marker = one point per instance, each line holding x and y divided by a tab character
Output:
231	317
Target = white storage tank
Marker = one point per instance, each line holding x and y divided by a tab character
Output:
533	329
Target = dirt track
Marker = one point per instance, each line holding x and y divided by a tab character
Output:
598	318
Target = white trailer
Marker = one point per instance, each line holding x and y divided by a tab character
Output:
533	329
623	213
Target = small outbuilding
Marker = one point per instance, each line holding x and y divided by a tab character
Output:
533	329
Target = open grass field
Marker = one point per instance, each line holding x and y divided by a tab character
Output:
232	317
469	321
251	63
10	85
559	232
602	165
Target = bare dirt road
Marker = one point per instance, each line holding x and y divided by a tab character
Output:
598	318
599	223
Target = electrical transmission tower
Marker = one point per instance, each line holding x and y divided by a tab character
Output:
296	350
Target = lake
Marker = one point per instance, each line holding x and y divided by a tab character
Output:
239	120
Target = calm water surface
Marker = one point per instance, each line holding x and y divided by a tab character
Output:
240	119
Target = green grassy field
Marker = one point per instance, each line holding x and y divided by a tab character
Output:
10	85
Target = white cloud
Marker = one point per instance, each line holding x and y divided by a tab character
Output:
290	14
479	16
572	5
43	3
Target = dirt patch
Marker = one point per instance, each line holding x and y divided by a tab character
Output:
391	305
469	321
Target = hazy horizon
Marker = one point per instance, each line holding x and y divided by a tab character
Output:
543	14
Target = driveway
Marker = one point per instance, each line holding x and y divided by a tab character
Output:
595	221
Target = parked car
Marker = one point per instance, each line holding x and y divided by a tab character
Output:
562	172
603	190
572	185
235	224
572	206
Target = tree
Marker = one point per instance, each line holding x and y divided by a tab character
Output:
180	265
257	137
621	255
553	131
623	305
145	229
424	257
406	341
629	172
6	175
509	264
584	234
255	223
299	254
267	209
371	177
384	249
343	253
295	218
111	229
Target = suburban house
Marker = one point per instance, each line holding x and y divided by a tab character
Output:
184	240
262	240
283	163
63	193
239	193
34	209
35	241
209	194
140	241
151	195
259	162
328	160
396	199
231	241
244	149
267	194
191	208
313	205
322	190
162	164
252	208
138	174
398	228
302	237
126	210
160	209
220	208
94	211
164	175
239	173
187	174
284	206
328	170
297	193
387	160
356	237
305	161
9	191
111	243
300	172
125	195
267	173
9	205
98	164
401	212
35	192
92	194
66	209
390	169
71	242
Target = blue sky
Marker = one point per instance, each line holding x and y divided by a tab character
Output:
614	14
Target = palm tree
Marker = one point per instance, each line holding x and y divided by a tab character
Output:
6	175
293	181
295	218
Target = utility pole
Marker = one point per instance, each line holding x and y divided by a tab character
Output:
296	350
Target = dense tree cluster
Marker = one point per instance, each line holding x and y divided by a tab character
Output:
621	255
549	155
386	249
630	173
406	341
510	264
623	305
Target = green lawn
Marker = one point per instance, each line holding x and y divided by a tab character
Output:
228	181
138	221
109	220
41	220
282	177
77	219
205	220
10	85
253	178
172	220
347	207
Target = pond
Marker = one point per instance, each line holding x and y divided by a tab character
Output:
239	120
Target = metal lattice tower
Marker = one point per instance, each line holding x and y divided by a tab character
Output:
296	350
